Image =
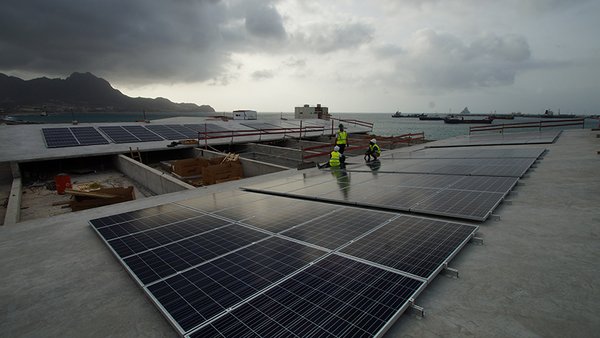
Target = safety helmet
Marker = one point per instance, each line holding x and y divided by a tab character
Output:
341	126
373	140
336	148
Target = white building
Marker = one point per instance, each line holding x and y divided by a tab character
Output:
307	112
244	115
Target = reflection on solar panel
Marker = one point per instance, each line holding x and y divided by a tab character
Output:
339	227
72	137
260	126
479	152
335	297
415	245
88	136
475	205
202	292
142	134
118	135
164	261
536	137
166	132
187	132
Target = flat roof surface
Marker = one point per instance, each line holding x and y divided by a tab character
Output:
25	142
535	275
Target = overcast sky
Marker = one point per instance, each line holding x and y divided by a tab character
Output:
349	55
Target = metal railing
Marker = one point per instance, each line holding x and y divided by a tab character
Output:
232	134
538	125
381	140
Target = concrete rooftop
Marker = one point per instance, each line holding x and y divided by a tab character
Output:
536	274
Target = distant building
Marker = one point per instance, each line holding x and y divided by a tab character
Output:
307	112
244	114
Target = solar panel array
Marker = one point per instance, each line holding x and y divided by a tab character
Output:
238	263
472	197
72	137
487	139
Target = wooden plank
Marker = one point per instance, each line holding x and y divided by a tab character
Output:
89	194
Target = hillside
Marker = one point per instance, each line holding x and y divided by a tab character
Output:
80	92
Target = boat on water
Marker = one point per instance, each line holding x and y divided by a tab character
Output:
455	119
399	114
425	117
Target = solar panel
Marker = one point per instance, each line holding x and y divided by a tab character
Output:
118	135
142	134
88	136
414	245
335	297
197	295
164	261
476	140
260	125
339	227
166	132
59	137
485	183
475	205
222	200
138	242
187	132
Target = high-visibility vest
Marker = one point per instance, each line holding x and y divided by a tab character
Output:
374	149
342	136
334	161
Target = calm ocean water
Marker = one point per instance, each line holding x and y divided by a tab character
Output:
383	123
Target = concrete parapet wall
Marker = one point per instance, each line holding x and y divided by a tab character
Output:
13	208
250	167
152	179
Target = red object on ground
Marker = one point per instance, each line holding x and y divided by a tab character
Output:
63	181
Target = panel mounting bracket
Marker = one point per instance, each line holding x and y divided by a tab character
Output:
448	271
477	240
417	310
495	217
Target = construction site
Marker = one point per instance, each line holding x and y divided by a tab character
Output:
237	231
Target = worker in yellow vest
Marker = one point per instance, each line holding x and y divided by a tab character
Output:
374	150
341	139
336	159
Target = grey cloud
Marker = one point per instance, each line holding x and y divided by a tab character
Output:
325	38
263	74
132	40
443	62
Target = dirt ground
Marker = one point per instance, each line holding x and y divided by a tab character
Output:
38	198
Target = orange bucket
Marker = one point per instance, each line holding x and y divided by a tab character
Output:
63	181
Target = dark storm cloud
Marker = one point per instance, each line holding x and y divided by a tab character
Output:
133	40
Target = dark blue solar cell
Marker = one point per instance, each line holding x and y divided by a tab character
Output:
166	132
118	134
59	137
335	297
199	294
167	260
88	136
141	241
143	134
412	244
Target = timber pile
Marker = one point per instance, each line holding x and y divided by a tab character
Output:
91	199
201	171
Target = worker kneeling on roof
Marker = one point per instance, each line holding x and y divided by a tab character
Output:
374	150
336	159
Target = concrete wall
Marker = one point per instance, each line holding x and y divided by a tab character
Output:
13	208
251	167
152	179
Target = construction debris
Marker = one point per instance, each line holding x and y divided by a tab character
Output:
201	171
105	196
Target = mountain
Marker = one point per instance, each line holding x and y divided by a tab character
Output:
80	92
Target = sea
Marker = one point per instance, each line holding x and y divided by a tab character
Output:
383	123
